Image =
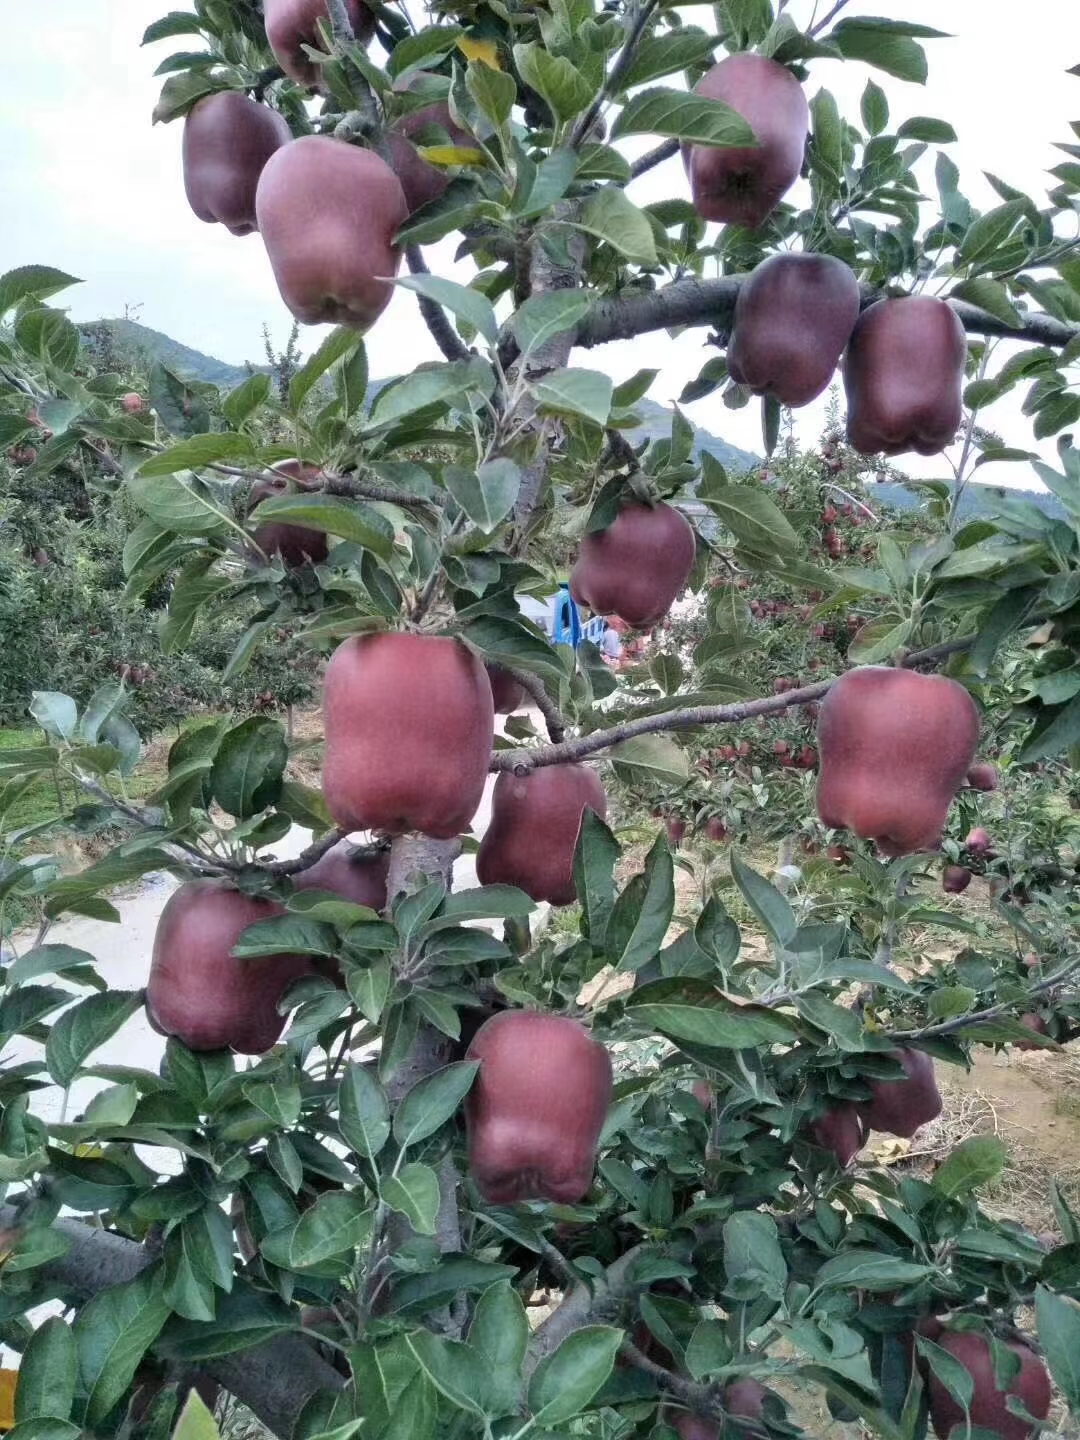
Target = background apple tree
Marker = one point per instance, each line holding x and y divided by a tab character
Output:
318	1240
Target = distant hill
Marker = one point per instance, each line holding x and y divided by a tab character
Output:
142	345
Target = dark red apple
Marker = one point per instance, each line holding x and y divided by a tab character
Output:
291	24
535	821
955	879
408	724
900	1107
904	375
793	317
894	747
227	141
536	1108
198	991
637	566
296	544
841	1130
989	1410
507	694
743	185
328	212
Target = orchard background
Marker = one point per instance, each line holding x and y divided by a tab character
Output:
598	1147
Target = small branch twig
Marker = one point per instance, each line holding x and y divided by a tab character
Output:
992	1012
534	686
610	87
852	499
442	332
828	17
654	157
696	301
696	715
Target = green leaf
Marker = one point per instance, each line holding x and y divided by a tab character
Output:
500	1332
46	959
874	108
771	908
434	385
595	856
454	1368
556	79
468	304
80	1030
541	317
991	296
113	1332
487	494
32	282
337	345
573	391
884	45
682	116
650	758
414	1193
1062	731
563	1384
987	234
249	766
1058	1322
955	1377
364	1112
869	1270
432	1101
930	131
57	714
753	1261
331	514
974	1162
693	1010
338	1222
180	92
196	1421
244	399
222	446
187	507
754	519
495	92
609	214
660	55
643	911
47	1373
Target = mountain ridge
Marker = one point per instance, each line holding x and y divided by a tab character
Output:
141	344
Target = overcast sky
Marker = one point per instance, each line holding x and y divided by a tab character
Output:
88	185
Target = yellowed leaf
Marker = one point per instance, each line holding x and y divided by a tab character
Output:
8	1379
451	155
486	51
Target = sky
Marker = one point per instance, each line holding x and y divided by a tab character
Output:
87	184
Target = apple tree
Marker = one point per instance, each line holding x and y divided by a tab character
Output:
390	1112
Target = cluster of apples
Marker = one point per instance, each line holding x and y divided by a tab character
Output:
797	313
327	210
988	1411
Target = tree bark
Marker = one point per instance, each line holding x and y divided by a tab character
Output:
712	302
274	1379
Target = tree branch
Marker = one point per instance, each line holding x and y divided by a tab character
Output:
712	302
442	332
583	1306
610	87
652	158
696	715
961	1022
534	686
274	1379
